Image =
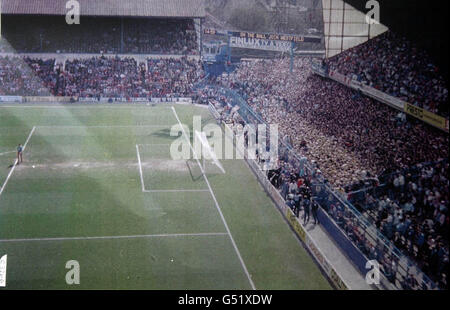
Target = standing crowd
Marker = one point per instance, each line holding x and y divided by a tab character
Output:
395	66
348	134
350	138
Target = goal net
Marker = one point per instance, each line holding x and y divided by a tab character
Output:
208	155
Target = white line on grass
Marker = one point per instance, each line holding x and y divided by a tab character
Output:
216	202
104	126
161	190
150	144
176	191
104	105
67	106
4	153
15	163
114	237
140	168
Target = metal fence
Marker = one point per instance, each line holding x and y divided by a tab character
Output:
395	266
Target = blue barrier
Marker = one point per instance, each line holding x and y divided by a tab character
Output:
352	252
329	201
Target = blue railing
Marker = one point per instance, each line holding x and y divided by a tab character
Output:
330	200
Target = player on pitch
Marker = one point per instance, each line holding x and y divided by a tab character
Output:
19	154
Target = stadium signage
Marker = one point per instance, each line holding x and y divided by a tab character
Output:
211	31
277	37
260	44
46	99
3	262
426	116
295	224
337	280
264	36
10	99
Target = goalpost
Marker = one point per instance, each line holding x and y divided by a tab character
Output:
207	152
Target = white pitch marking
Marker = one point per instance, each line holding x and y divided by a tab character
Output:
177	191
216	202
113	237
15	163
4	153
161	190
140	168
125	106
104	126
149	144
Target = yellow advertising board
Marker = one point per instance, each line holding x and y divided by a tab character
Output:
295	224
427	116
46	99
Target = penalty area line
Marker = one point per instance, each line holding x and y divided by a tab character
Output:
103	126
2	189
215	201
177	191
115	237
4	153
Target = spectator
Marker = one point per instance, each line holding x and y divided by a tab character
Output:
393	65
96	77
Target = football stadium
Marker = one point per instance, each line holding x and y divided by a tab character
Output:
220	145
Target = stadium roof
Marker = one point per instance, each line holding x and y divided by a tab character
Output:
346	27
133	8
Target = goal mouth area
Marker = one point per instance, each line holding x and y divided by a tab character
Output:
208	167
209	157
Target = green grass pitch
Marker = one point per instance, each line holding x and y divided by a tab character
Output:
79	196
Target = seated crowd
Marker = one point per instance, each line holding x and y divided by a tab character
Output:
27	76
99	77
393	65
31	34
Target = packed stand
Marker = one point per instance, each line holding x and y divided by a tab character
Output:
96	77
27	76
393	65
170	76
295	180
349	137
412	211
347	134
103	77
